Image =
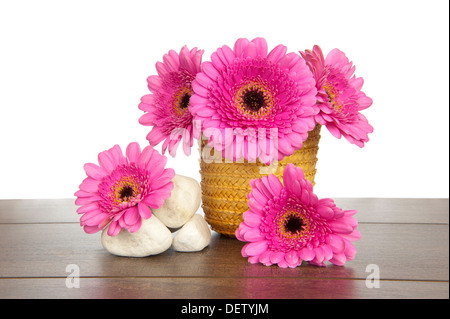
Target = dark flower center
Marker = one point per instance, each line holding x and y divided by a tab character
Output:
293	224
184	103
253	100
126	192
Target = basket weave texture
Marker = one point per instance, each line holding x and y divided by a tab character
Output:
225	185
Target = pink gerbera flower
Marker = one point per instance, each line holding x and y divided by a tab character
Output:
167	107
250	99
122	189
339	95
286	224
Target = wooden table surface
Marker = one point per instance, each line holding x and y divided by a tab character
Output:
405	239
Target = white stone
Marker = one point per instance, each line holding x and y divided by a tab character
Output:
182	204
193	236
151	239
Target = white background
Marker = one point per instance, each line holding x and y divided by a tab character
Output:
72	74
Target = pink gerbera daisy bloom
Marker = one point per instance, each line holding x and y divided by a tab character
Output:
339	95
286	224
167	107
122	190
252	98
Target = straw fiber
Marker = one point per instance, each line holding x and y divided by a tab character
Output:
225	185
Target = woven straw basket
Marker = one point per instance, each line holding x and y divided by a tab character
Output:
225	185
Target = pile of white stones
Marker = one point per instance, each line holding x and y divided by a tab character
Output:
174	225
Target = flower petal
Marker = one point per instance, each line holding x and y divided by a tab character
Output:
277	53
253	235
307	254
292	259
94	171
336	243
91	229
325	211
209	69
131	216
136	226
89	185
154	200
133	152
251	219
114	228
339	259
255	248
340	226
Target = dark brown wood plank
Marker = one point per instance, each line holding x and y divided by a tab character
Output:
398	210
219	288
401	251
38	211
370	210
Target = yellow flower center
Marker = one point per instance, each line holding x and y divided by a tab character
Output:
331	92
125	190
254	99
293	225
181	100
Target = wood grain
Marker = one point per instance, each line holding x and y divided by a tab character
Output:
370	210
408	239
219	288
416	252
398	210
32	211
